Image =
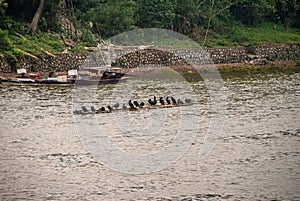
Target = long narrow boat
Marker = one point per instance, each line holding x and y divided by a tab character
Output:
18	83
99	81
147	107
107	78
68	83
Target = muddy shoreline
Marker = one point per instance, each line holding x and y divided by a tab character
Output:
188	70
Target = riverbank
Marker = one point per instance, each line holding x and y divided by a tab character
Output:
191	74
241	70
128	58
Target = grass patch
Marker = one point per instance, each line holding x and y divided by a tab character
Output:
249	70
36	45
266	33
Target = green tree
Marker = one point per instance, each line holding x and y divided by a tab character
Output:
196	18
252	12
187	16
112	18
32	28
155	13
286	11
83	6
33	11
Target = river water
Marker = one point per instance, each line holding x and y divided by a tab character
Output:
47	153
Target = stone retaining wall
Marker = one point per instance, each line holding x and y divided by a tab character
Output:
246	54
135	57
45	63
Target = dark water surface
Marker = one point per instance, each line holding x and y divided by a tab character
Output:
257	157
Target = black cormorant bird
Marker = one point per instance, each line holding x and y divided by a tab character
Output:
130	104
136	103
152	102
168	100
142	104
84	109
109	108
173	100
162	102
102	109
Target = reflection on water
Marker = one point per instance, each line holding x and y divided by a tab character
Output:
257	156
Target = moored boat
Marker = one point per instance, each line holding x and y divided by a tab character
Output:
90	76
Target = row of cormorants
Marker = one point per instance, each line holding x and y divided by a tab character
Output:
134	105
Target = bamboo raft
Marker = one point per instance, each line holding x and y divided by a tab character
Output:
146	107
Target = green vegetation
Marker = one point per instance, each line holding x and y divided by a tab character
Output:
8	49
233	71
31	44
264	33
39	26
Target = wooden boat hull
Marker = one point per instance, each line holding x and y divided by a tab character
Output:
99	82
68	83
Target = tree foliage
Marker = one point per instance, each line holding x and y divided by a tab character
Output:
112	17
155	13
3	6
194	18
287	12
